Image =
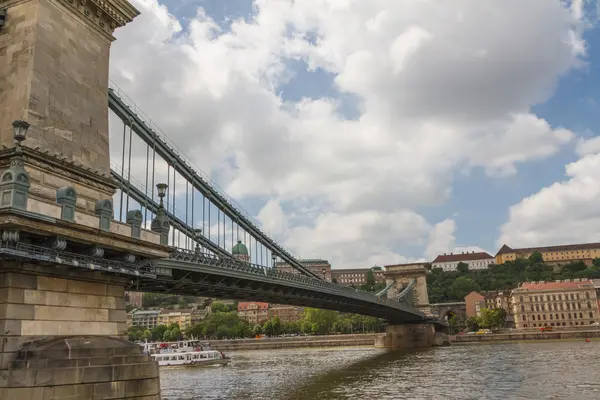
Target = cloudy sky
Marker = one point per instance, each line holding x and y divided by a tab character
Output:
381	131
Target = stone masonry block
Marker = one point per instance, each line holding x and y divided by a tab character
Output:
52	284
58	376
33	393
10	327
103	373
69	392
55	313
6	359
109	390
21	378
142	387
135	371
86	287
18	280
12	344
117	316
115	290
11	295
16	311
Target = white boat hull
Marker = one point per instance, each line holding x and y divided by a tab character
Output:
207	363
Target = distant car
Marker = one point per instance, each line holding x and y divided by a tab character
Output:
546	329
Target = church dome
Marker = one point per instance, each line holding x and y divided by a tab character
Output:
239	249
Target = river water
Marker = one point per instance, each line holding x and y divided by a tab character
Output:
528	370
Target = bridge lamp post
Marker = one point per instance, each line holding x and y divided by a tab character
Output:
162	191
20	131
160	224
323	272
198	233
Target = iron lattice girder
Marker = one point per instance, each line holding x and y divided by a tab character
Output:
238	280
122	110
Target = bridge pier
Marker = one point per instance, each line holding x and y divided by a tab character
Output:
407	336
410	336
62	337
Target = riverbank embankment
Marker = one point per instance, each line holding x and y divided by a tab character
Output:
522	336
367	339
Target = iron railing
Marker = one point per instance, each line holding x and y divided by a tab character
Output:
204	258
31	252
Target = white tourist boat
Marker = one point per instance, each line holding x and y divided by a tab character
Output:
185	353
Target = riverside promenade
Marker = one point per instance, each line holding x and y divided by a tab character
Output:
367	339
515	336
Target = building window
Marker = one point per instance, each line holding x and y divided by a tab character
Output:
544	316
591	314
580	315
551	317
525	317
532	317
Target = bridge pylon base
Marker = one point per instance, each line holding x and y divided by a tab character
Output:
407	336
62	337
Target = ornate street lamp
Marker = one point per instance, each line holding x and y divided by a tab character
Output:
323	272
14	182
20	130
160	223
162	191
198	233
273	259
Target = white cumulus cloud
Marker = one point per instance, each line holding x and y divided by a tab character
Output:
439	86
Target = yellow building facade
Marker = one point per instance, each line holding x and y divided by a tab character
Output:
183	318
552	254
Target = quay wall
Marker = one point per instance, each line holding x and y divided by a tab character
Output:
519	336
367	339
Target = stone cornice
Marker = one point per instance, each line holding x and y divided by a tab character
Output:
68	170
103	16
39	225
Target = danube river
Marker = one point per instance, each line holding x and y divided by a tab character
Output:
528	370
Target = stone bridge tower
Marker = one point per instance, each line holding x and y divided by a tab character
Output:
64	261
401	274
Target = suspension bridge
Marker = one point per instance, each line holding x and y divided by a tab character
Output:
79	225
204	265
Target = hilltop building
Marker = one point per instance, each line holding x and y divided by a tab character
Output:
286	313
449	262
319	267
356	276
560	303
254	312
552	254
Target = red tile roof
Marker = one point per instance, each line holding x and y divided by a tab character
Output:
462	257
245	304
556	285
562	247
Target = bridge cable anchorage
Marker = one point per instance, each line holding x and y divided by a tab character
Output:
150	133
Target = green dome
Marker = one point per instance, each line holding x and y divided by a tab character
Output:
239	249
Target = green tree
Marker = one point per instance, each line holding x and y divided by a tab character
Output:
268	328
257	329
462	286
276	323
219	307
462	268
370	278
158	332
536	258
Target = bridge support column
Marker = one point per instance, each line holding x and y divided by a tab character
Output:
407	336
62	334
